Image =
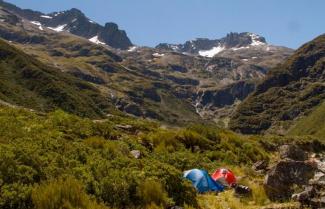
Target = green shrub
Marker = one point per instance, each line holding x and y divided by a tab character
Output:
15	196
71	125
118	189
176	186
191	139
40	149
164	141
65	193
152	192
210	132
95	142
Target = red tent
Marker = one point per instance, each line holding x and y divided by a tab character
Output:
224	176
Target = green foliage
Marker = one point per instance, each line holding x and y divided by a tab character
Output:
71	162
191	139
118	189
152	192
65	193
15	196
210	132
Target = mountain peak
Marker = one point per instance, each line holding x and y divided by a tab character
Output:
243	39
111	25
75	10
75	22
71	13
113	36
211	47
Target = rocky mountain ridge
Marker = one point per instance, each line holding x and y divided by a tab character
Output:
231	42
74	22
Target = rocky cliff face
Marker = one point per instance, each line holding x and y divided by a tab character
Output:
75	22
225	96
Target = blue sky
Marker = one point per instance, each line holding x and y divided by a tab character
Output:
149	22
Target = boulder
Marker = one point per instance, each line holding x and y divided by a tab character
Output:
176	207
314	194
280	179
321	166
305	196
318	202
241	191
319	179
260	165
133	109
136	154
125	127
292	152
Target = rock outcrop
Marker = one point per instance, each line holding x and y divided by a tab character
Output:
292	152
314	193
260	166
227	95
281	178
297	177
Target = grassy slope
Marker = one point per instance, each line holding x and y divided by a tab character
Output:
313	124
120	82
288	91
27	82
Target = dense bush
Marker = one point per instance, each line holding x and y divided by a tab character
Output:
152	192
59	160
63	193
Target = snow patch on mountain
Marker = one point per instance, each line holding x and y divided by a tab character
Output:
132	48
212	52
38	24
59	28
96	40
58	13
255	40
158	55
240	48
175	47
46	16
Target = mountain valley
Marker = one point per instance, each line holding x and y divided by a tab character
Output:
167	85
90	120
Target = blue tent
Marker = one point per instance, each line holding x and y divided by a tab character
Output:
202	181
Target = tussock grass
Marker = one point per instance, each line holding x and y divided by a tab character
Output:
312	124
